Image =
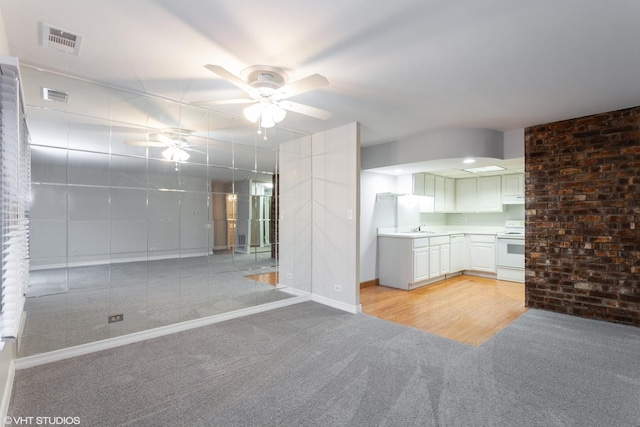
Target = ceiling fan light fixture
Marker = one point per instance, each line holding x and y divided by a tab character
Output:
277	113
252	113
266	111
266	121
175	154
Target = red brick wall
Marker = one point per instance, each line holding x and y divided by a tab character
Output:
583	216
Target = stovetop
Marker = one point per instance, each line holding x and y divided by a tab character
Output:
513	229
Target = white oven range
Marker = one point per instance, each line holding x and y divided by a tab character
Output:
510	252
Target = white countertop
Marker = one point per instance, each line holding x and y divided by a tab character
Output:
416	234
438	231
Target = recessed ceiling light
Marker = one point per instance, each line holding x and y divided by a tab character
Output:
398	171
484	169
469	161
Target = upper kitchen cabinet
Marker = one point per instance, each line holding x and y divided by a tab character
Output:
513	189
490	194
466	195
483	194
423	184
445	194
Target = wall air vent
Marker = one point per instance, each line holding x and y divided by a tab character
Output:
59	39
55	95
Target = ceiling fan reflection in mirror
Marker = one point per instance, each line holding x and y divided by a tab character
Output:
269	92
173	140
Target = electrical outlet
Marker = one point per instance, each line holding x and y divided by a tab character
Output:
463	219
337	288
289	276
115	318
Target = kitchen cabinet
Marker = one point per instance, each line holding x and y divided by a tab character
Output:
466	199
490	194
513	189
513	185
444	194
420	263
439	256
423	184
403	263
408	263
483	194
409	260
449	195
482	252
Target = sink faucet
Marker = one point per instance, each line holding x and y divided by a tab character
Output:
419	228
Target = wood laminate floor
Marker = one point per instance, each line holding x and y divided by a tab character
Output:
271	278
467	309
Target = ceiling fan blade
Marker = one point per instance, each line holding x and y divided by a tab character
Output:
306	84
305	109
225	102
230	77
146	143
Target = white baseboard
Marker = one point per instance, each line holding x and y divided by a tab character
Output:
354	309
322	300
79	350
293	291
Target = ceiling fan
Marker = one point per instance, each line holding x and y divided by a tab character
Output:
174	140
269	92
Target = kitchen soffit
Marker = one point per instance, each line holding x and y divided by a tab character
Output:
453	168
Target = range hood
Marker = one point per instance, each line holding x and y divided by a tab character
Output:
513	200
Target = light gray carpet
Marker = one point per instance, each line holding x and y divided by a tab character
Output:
310	365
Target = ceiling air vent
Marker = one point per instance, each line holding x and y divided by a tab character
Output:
59	39
55	95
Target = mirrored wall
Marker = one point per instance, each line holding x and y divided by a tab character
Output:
145	212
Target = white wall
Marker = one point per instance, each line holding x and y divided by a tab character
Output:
4	42
336	221
374	212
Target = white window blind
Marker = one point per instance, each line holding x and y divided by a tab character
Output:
15	164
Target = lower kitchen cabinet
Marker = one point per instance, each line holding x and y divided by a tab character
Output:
408	263
482	253
420	264
439	256
402	261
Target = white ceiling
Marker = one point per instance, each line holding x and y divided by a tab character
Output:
399	68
